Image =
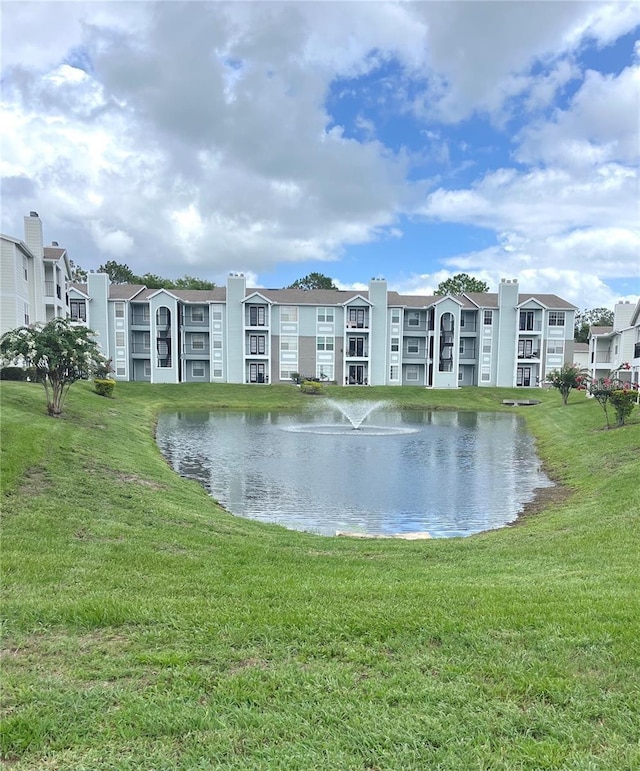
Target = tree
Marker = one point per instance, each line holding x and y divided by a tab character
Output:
190	282
567	377
78	274
118	274
461	283
60	352
313	281
596	317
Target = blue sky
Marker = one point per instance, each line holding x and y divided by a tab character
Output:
406	140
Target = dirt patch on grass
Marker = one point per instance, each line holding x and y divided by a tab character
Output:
545	497
35	481
134	479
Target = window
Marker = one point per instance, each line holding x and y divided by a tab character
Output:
395	315
146	341
163	317
556	346
461	348
147	369
78	310
26	313
217	341
394	372
413	345
146	314
356	318
197	368
288	313
395	343
326	315
488	318
414	319
412	372
486	346
526	320
460	375
288	343
486	375
119	310
324	371
217	371
121	367
286	372
324	343
257	316
119	339
197	342
24	268
197	313
217	313
257	345
556	318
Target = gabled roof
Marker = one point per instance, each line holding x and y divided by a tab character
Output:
483	300
256	294
53	252
297	296
593	331
124	291
551	301
80	289
409	300
20	244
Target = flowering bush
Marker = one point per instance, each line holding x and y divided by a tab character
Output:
567	377
60	353
621	395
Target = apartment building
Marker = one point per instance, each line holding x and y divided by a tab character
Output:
618	346
239	334
33	278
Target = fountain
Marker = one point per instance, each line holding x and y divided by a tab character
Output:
355	412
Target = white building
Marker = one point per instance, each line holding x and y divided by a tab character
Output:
33	278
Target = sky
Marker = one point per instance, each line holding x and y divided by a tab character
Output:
404	140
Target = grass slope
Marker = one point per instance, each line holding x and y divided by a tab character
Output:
145	628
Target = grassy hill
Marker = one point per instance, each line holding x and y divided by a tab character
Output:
146	628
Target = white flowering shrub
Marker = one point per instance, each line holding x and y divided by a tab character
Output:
60	353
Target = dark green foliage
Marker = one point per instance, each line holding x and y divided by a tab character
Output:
313	281
13	373
460	283
596	317
104	387
122	274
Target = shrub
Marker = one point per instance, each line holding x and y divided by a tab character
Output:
311	387
104	386
13	373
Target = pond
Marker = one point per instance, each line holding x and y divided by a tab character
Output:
404	471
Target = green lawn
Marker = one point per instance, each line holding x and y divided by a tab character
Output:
145	628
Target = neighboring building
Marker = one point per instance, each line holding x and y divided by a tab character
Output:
611	348
236	334
33	278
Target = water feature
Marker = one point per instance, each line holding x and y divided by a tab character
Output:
448	473
355	412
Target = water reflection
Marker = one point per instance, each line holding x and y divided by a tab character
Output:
455	473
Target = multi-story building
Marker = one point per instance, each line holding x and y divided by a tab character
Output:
33	278
237	334
617	348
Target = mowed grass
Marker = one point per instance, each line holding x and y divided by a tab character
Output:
146	628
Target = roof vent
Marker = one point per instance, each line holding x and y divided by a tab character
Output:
55	243
33	213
